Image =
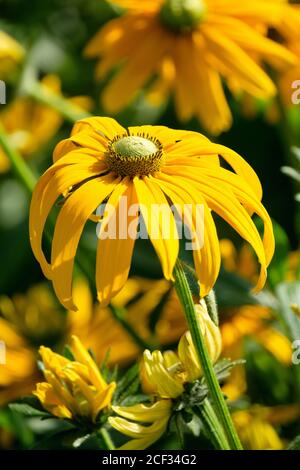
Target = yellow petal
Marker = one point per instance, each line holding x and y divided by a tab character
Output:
160	223
114	252
69	226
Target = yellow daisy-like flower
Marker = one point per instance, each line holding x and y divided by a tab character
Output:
11	53
258	425
164	376
151	167
144	424
30	125
190	45
166	373
73	388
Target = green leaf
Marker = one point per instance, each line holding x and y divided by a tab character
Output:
288	293
28	410
295	444
279	265
233	291
212	307
127	385
157	311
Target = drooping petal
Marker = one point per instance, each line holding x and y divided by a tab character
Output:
69	226
160	223
238	164
204	238
223	201
55	182
144	413
116	242
138	68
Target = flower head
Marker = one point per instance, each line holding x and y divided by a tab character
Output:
73	388
151	167
11	53
190	46
167	373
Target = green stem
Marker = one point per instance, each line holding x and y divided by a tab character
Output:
18	165
186	299
25	175
107	439
67	109
212	425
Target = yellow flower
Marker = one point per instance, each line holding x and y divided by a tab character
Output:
249	320
190	45
166	373
32	318
148	166
257	425
26	320
11	53
139	298
30	125
73	388
144	424
19	374
255	433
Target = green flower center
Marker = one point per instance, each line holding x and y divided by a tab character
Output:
182	15
134	155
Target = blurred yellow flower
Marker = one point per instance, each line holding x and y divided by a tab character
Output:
30	125
166	373
139	298
32	318
151	167
144	424
11	53
26	320
19	374
257	425
190	46
256	321
73	388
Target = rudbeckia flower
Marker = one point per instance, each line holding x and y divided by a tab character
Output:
166	373
73	388
144	424
11	53
150	167
30	125
190	46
